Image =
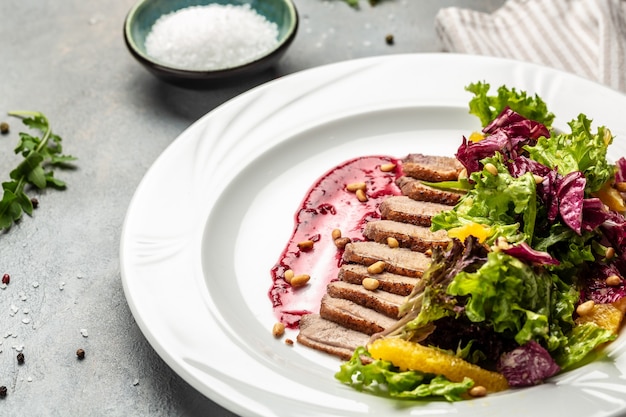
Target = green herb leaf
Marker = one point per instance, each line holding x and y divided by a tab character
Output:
41	154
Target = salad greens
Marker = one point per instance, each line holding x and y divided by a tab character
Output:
533	242
41	155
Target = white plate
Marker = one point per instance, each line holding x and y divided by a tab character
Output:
212	215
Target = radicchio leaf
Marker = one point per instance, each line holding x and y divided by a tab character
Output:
620	173
507	134
571	193
596	288
524	252
594	214
527	365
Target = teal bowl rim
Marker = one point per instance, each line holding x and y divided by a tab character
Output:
179	75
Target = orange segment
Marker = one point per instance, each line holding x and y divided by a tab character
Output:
606	316
413	356
611	197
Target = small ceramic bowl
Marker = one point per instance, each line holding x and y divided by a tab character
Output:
144	14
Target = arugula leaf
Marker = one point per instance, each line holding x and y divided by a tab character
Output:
41	155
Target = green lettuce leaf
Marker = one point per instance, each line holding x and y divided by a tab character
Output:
582	340
487	107
503	203
382	378
581	150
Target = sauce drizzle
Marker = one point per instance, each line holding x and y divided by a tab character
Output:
328	206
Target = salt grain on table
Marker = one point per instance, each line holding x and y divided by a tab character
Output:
211	37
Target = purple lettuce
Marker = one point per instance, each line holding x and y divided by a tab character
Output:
598	290
524	252
507	134
571	192
620	172
527	365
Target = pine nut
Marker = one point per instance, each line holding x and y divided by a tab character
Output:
361	196
305	245
491	168
392	242
342	242
610	253
278	330
377	267
585	308
289	342
370	284
538	178
613	281
288	275
621	187
478	391
300	280
354	186
428	252
335	234
387	167
462	174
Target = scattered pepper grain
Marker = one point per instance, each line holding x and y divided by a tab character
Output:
20	358
389	39
80	353
4	128
34	202
3	391
6	278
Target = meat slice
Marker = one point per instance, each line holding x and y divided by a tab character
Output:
417	238
330	337
407	210
354	316
389	282
417	191
380	301
399	260
431	168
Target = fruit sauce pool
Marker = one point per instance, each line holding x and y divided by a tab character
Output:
328	205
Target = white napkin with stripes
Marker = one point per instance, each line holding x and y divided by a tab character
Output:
586	37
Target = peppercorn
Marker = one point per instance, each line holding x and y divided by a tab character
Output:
34	202
6	278
81	354
389	39
4	128
20	358
3	391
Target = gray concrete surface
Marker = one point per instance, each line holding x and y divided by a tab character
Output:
67	59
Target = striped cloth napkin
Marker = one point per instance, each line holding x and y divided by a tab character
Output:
586	37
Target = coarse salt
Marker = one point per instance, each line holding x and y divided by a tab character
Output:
211	37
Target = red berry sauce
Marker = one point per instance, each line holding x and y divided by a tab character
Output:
328	206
